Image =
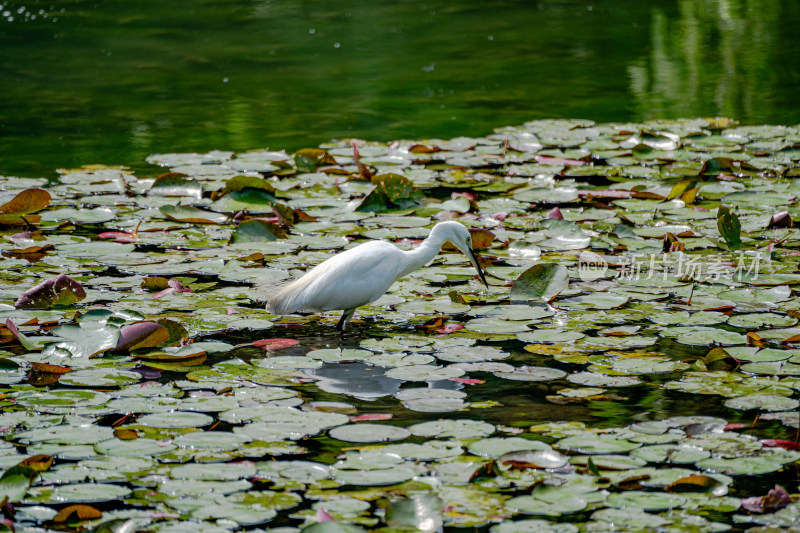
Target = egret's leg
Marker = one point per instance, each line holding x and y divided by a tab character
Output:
346	316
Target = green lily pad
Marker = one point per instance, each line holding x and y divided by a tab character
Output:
763	402
456	429
498	446
596	444
369	433
646	501
175	419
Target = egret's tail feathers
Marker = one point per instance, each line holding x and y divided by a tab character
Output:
273	292
284	300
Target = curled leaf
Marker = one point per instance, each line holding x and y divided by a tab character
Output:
76	513
729	227
15	482
175	184
775	500
239	183
391	191
47	368
555	213
39	462
781	219
275	344
27	201
544	281
27	343
61	290
308	159
694	483
192	215
141	335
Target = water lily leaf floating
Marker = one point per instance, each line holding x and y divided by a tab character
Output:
85	340
369	433
543	281
19	210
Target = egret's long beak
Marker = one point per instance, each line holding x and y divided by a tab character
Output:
474	261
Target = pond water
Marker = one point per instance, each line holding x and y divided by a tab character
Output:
84	82
615	406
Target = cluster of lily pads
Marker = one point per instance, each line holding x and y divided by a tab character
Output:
145	385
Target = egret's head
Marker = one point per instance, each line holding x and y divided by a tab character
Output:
459	235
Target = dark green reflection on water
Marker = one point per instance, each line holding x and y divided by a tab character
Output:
111	82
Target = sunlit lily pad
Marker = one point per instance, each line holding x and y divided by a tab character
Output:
457	429
175	419
531	505
374	477
596	443
369	433
763	402
497	446
671	453
134	448
646	501
740	466
424	373
532	373
78	493
705	336
100	377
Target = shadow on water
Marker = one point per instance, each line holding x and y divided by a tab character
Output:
504	402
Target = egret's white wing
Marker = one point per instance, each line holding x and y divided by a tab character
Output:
346	281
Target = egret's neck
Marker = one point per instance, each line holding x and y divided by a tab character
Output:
423	254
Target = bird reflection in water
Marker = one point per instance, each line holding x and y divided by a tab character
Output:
363	381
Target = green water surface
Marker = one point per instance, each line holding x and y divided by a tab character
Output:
85	82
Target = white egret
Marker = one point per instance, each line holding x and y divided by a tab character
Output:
364	273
